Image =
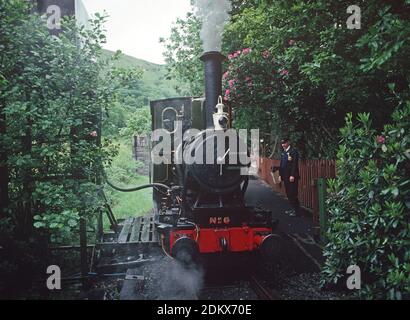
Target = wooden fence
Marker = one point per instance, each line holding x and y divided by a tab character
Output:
310	171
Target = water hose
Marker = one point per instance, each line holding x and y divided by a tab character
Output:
134	189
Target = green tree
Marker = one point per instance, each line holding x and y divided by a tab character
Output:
128	98
54	92
183	50
138	124
329	69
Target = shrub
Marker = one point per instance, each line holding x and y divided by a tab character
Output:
369	207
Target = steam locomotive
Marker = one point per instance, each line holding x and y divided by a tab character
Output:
206	213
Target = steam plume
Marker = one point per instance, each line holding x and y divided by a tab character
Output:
214	15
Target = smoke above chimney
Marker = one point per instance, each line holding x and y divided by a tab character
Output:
214	14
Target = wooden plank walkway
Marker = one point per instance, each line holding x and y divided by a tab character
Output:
139	230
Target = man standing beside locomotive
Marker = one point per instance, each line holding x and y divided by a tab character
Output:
289	174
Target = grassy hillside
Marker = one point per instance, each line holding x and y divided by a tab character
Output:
154	82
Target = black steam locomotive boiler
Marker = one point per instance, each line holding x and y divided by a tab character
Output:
206	212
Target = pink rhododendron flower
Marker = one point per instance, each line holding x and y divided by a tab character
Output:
246	50
266	54
292	42
231	83
381	139
227	94
93	134
225	75
230	56
284	72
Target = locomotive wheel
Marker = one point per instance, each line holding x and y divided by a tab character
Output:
271	248
186	251
270	254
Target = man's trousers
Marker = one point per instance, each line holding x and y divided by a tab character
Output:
292	193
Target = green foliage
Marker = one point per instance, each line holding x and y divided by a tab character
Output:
139	123
149	83
330	70
369	207
154	82
53	93
253	78
128	98
183	50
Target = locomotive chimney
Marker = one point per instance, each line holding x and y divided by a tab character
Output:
213	83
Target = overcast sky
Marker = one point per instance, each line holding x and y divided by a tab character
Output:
135	26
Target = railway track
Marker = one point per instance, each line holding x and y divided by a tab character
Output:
248	288
261	291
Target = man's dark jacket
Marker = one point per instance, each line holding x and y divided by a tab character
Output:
289	164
